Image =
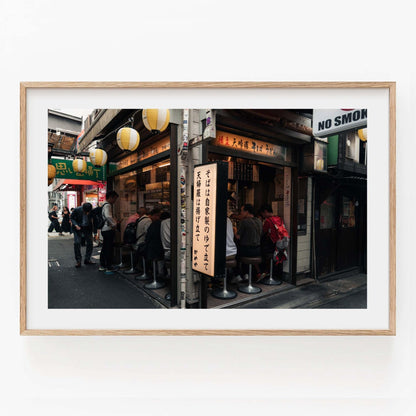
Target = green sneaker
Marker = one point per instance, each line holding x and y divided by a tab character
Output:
102	269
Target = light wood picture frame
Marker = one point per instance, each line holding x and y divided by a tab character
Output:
354	87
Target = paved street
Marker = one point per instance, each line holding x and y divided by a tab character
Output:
341	292
86	287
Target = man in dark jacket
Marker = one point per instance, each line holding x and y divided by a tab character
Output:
82	227
53	217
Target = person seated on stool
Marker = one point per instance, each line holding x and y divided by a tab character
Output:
165	234
154	247
143	224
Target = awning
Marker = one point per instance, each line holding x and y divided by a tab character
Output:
71	184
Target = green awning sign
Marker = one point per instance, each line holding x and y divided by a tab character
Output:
64	170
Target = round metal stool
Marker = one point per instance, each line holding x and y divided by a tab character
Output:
144	275
155	284
168	295
249	288
121	265
224	293
132	270
269	280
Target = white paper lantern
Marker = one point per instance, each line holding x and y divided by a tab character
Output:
79	165
98	157
156	120
128	139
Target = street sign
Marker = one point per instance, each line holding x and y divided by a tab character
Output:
327	121
64	170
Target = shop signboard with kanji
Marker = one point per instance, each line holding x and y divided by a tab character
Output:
64	170
209	219
249	145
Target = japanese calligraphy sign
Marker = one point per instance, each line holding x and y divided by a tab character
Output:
250	145
209	219
64	170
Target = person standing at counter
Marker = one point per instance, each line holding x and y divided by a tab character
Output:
273	231
249	234
108	233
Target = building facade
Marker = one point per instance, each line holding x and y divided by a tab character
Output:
273	158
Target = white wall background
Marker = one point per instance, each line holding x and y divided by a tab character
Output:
185	40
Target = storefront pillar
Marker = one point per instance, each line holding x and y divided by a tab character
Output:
175	216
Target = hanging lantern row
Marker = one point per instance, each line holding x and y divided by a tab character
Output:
79	165
362	134
98	157
128	139
156	120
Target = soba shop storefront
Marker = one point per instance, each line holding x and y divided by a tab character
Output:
262	159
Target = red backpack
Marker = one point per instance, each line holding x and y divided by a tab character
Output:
277	230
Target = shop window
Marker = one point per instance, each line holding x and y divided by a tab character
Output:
352	148
302	205
154	186
347	218
126	187
327	213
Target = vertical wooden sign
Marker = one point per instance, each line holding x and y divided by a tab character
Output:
209	218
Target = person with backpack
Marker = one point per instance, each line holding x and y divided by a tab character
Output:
82	227
108	232
275	238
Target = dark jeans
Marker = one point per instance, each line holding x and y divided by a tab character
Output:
79	237
248	251
54	225
106	256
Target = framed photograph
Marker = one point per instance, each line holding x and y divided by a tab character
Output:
208	208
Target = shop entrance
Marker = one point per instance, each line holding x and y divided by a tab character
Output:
339	226
259	183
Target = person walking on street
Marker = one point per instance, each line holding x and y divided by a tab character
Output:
66	222
108	233
82	227
53	217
